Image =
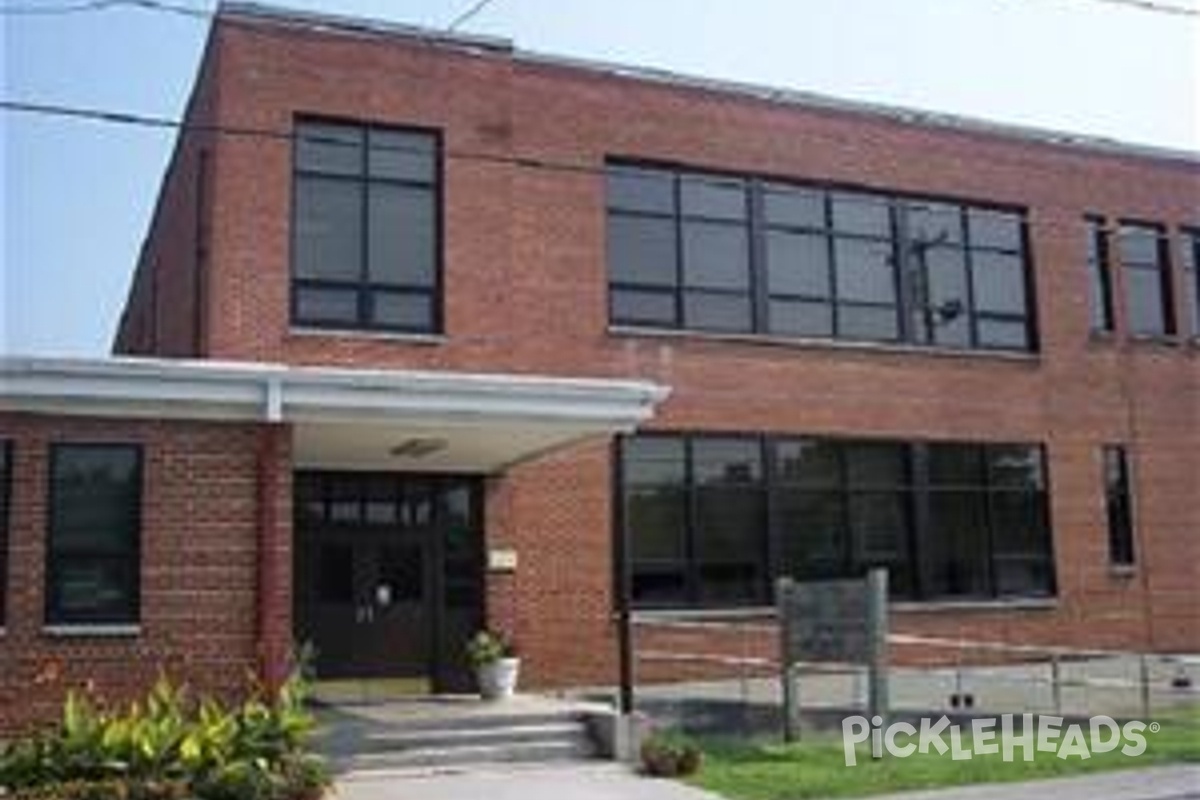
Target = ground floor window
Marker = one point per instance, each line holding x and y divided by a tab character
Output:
713	520
92	553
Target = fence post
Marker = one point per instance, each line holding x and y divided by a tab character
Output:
787	676
1056	682
1144	677
877	647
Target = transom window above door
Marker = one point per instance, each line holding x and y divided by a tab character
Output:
366	227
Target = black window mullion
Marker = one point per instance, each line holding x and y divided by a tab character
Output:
759	314
907	261
989	524
677	198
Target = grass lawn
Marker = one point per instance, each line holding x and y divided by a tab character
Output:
817	768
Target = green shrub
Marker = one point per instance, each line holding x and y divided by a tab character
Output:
167	746
668	755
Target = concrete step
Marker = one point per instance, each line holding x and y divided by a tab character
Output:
465	756
479	735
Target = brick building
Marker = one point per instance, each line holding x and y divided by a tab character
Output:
405	296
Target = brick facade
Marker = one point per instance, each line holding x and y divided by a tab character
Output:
525	292
199	561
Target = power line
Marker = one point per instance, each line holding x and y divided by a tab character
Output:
466	16
1152	6
37	10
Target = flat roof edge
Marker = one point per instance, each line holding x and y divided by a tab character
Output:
934	120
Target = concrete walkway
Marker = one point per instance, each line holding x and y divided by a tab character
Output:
598	781
1152	783
605	781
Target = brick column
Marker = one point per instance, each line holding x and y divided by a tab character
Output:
274	553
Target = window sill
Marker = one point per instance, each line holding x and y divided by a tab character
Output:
304	332
1123	571
97	631
634	331
901	606
1154	340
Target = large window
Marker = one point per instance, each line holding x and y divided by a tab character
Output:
5	494
1191	277
713	520
1118	505
365	228
713	253
1099	272
1147	276
92	554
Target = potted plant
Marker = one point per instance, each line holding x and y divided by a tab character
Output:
496	664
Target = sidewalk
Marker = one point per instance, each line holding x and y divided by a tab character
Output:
1153	783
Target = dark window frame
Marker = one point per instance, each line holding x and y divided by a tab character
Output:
1190	272
1161	268
914	490
55	616
1117	481
6	481
363	287
1101	318
904	300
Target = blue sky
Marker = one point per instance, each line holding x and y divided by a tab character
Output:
77	195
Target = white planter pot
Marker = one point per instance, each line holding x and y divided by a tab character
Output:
498	680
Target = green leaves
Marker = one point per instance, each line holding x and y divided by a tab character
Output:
170	746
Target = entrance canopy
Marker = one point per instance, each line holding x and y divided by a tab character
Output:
346	418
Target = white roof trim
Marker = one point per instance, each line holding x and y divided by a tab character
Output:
250	391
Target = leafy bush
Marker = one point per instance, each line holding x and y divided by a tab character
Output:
667	755
488	647
167	747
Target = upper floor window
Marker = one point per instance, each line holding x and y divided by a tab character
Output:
92	552
1147	277
365	228
1191	277
703	252
1099	273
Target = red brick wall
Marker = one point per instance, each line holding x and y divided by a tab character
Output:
199	566
526	292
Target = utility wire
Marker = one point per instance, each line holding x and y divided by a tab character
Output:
466	16
37	10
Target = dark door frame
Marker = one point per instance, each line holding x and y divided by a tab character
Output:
440	669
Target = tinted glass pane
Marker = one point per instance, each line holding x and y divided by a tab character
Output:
956	465
864	214
328	229
634	189
655	584
646	308
653	460
641	250
97	590
810	463
1003	334
865	322
870	464
1117	505
729	525
326	305
718	312
998	282
402	571
402	156
865	271
1023	576
956	550
878	526
1145	301
811	531
800	318
402	310
934	223
726	461
402	231
716	198
994	229
1018	524
946	319
1016	466
730	583
801	208
1139	245
335	580
715	256
97	499
797	264
332	149
656	521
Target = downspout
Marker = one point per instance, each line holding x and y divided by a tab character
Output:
274	550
